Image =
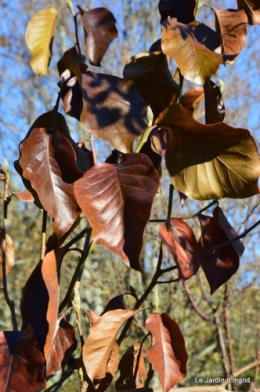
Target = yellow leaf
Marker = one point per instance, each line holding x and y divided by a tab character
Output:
39	35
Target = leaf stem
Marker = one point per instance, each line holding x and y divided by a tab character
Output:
43	236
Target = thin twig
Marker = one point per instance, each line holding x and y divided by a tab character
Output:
43	236
242	370
203	315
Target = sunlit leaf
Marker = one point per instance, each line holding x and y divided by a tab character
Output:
183	11
193	100
220	265
252	8
99	343
167	350
8	249
119	209
179	236
214	104
21	362
197	63
24	195
209	161
99	25
39	35
151	73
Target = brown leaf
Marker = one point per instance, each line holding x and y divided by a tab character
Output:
192	98
179	236
167	354
64	344
214	104
72	61
231	25
197	63
118	211
183	11
209	161
100	342
220	265
39	153
8	247
151	73
113	109
24	195
100	31
252	8
21	362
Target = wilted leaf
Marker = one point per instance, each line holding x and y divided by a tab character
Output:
99	25
127	367
72	61
220	265
197	63
209	161
183	11
64	344
220	217
21	362
119	209
167	354
9	253
41	161
39	35
192	98
179	236
115	303
231	25
214	104
252	8
24	195
151	73
113	109
100	342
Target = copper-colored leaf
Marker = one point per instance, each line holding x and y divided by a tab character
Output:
100	342
24	195
113	109
99	25
21	362
209	161
179	236
6	245
151	73
197	63
64	344
252	8
167	354
220	265
39	35
183	11
192	98
39	153
214	104
72	61
219	215
117	200
231	25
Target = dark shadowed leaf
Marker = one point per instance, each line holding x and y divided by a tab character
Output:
113	109
151	73
209	161
64	344
119	209
127	367
223	263
39	153
219	215
100	342
167	351
72	61
21	362
214	104
231	25
100	30
197	63
252	8
115	303
39	35
6	245
183	11
149	150
179	236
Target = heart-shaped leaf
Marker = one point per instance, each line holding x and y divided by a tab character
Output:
168	350
100	341
183	11
118	211
197	63
220	265
179	236
21	362
100	31
252	8
39	35
209	161
6	246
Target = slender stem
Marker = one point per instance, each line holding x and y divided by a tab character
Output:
43	237
203	315
242	370
77	35
169	213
